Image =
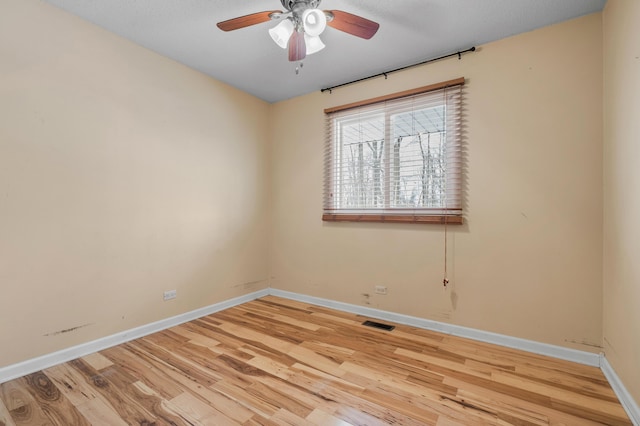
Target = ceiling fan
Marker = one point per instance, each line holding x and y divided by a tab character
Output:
301	25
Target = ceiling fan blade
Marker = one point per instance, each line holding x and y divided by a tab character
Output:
297	47
247	20
352	24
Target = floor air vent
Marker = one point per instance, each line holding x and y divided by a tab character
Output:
379	325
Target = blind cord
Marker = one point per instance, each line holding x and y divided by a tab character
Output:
445	281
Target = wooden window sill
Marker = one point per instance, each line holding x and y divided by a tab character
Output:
431	219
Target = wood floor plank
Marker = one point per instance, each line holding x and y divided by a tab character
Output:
443	405
22	407
270	366
275	361
197	412
335	397
98	412
256	338
317	361
169	358
197	338
509	404
319	417
282	395
220	402
562	379
97	361
5	417
135	364
72	384
154	403
52	402
247	397
275	316
286	418
575	402
127	407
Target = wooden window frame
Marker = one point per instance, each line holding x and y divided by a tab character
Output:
417	216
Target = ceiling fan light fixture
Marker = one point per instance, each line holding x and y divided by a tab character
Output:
314	44
300	26
282	32
314	22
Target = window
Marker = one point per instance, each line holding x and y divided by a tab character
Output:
396	158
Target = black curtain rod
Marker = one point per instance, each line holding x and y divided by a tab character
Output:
385	74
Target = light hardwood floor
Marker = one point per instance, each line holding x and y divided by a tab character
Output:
274	361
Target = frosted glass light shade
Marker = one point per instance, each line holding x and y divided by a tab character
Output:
282	32
314	22
314	44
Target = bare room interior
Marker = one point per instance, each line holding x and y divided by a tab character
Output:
166	255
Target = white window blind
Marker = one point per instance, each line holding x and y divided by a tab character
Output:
397	157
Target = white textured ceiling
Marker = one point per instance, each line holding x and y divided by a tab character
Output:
410	31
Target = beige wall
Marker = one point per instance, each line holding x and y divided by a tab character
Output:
122	174
528	261
621	185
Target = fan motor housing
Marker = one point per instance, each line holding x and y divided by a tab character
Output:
300	5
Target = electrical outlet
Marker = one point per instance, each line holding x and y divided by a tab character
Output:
171	294
381	289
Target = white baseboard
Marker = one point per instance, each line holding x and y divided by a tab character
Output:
36	364
574	355
627	401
